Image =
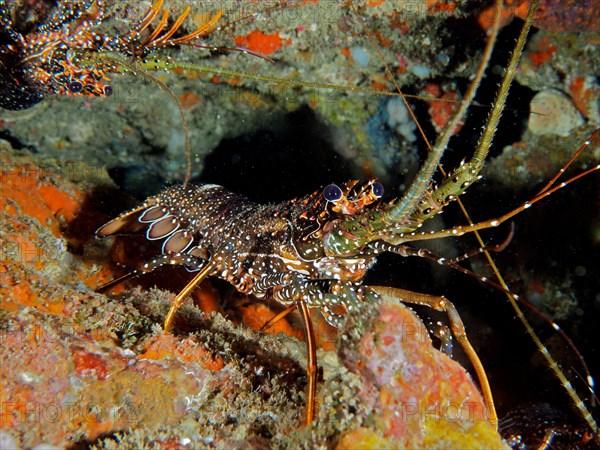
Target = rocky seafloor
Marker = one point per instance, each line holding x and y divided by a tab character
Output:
81	369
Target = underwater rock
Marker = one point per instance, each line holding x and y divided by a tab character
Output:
419	397
563	15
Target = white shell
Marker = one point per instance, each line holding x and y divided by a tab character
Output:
552	112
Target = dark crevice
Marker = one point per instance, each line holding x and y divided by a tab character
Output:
15	142
272	166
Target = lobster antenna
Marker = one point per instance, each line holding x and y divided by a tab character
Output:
168	65
411	198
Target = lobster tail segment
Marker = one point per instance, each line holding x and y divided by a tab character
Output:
127	223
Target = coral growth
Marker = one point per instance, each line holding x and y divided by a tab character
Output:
419	399
259	42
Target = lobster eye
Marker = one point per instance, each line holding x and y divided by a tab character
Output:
378	189
75	87
332	193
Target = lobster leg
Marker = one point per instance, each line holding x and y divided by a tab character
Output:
439	303
272	321
311	361
190	262
311	295
112	283
178	300
148	18
302	297
161	25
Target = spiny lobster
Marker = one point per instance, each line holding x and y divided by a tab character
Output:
65	55
313	252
